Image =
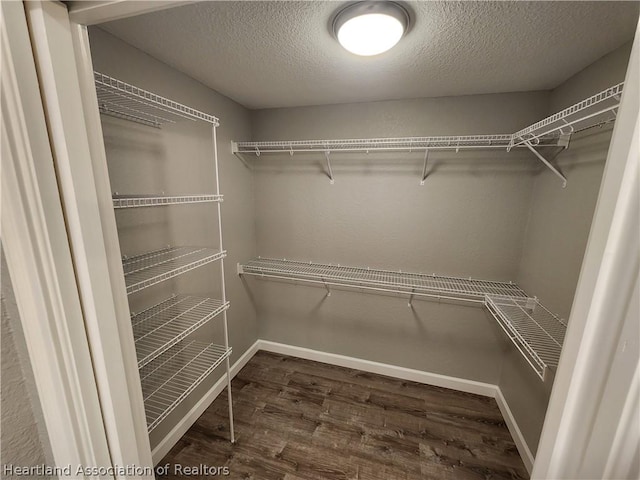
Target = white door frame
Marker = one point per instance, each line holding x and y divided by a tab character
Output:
598	313
39	261
600	352
64	66
92	12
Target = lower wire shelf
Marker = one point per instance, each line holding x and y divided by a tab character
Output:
171	377
161	326
536	332
142	271
418	284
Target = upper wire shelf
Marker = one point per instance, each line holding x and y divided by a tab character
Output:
133	201
553	131
584	114
123	100
547	132
171	377
161	326
376	144
418	284
536	332
142	271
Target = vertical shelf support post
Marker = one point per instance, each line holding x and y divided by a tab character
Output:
224	291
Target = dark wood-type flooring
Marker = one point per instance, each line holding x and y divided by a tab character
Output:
296	419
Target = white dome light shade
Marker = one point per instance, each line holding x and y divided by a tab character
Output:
371	27
370	34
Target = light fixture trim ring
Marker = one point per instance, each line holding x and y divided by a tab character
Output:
393	9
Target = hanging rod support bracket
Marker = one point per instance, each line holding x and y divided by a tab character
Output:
326	156
547	163
424	167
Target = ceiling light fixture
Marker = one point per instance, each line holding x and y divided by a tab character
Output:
371	27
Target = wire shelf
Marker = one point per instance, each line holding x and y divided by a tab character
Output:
134	201
535	331
376	144
381	280
170	378
161	326
123	100
142	271
585	114
552	131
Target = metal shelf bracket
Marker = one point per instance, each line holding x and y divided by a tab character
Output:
557	172
424	167
410	304
330	172
326	285
237	153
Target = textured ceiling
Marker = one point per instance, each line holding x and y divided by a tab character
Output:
281	54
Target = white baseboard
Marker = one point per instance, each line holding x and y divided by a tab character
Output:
518	438
434	379
181	428
419	376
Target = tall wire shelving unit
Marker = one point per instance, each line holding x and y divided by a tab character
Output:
170	363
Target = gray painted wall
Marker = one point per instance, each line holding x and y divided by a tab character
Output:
23	436
486	215
468	220
557	232
177	160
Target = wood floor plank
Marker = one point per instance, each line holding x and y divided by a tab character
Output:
301	420
318	463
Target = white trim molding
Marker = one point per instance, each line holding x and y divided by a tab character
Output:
39	261
71	110
91	12
514	430
419	376
601	351
625	448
